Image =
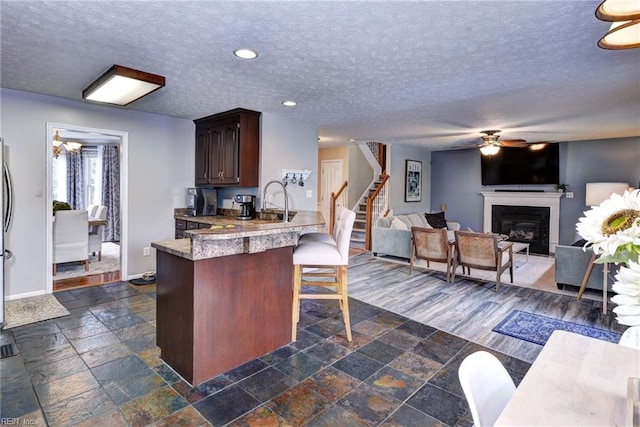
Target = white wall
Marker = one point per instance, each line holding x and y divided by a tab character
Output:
288	144
399	154
360	174
160	168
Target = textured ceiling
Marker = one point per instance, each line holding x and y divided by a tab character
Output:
427	73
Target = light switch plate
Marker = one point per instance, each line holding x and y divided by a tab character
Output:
569	194
309	194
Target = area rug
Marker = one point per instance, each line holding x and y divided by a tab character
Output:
537	329
24	311
525	273
110	262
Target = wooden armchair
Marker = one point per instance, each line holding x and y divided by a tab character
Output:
431	244
482	250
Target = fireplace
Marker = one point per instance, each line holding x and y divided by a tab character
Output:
536	199
526	224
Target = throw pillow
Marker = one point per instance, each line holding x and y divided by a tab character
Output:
436	220
416	220
398	225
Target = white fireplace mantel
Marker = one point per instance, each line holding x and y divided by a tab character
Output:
518	198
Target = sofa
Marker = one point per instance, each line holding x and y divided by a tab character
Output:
571	265
391	235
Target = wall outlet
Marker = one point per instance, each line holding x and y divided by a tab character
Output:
309	194
146	251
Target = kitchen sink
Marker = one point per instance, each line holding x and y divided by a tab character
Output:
274	215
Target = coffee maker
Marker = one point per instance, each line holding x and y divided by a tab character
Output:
247	206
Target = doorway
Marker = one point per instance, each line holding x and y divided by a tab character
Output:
110	264
330	182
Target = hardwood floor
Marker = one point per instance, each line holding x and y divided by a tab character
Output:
85	281
467	308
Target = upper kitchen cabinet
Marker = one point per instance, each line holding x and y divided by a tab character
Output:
228	149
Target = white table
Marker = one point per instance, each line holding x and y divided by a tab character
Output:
575	381
518	247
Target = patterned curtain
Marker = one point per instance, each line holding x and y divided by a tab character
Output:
110	155
76	180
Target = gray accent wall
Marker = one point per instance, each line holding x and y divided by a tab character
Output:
455	179
399	154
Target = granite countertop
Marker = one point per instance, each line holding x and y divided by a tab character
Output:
231	236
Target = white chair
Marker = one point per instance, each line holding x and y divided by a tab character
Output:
311	260
96	233
70	238
91	210
487	386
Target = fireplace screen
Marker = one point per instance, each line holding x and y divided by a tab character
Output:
520	230
526	224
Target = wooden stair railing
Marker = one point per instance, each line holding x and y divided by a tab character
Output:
332	205
370	211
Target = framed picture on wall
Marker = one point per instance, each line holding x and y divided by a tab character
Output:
413	181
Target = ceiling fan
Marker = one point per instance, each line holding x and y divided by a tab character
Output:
490	144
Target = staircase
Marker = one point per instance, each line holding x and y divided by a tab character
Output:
360	225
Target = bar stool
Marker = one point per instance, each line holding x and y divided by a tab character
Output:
311	260
322	237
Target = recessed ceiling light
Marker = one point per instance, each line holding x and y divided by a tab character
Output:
289	103
245	53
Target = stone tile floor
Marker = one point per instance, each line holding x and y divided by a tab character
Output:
99	366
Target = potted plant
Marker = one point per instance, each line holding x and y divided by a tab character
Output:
561	188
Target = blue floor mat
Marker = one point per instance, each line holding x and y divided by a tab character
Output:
537	329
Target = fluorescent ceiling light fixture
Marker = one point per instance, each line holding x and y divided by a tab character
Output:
245	53
618	10
489	150
621	35
289	103
121	86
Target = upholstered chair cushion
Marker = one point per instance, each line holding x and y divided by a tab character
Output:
315	253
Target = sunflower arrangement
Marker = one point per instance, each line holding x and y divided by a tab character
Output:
612	231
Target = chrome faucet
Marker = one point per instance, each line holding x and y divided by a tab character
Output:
286	198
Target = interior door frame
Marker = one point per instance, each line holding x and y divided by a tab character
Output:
326	192
124	179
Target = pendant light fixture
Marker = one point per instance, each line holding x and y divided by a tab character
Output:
58	145
624	32
121	86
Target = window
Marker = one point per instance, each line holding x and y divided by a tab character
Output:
92	168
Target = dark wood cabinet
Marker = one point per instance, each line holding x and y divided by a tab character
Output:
228	149
182	225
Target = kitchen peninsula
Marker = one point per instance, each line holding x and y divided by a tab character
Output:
224	294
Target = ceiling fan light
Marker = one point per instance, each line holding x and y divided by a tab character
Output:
537	147
489	150
621	35
121	86
618	10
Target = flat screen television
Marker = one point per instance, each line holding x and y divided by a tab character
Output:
522	165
